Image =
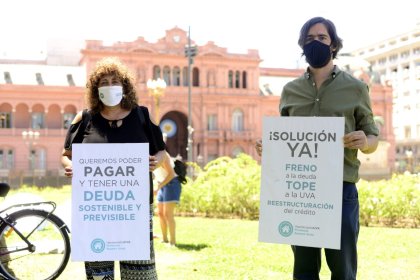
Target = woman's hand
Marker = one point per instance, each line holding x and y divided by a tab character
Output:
153	162
68	171
67	163
258	147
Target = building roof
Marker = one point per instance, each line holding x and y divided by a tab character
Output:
272	80
404	40
38	74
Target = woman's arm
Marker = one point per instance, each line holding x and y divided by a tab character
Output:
67	163
164	161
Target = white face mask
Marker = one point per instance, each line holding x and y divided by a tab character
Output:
111	96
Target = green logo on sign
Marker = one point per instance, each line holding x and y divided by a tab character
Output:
285	228
97	245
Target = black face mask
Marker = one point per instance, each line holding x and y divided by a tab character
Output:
317	54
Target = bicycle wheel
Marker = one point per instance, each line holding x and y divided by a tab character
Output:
51	240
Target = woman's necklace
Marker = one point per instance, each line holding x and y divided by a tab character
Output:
115	121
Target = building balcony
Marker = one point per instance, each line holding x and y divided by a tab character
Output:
227	135
44	132
246	135
214	134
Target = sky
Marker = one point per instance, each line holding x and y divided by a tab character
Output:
270	26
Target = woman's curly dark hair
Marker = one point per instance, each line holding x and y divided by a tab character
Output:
113	66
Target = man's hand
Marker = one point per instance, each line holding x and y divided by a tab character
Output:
359	140
355	140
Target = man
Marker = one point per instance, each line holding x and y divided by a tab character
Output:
324	90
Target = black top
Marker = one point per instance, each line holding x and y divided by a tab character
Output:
134	128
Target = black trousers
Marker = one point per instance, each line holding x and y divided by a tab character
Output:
342	263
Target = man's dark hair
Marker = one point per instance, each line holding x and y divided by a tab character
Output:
336	42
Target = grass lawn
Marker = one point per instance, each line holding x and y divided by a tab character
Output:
228	249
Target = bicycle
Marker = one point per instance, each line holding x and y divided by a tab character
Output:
34	243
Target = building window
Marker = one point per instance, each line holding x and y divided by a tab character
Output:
407	132
41	159
237	79
32	159
236	151
237	120
167	75
405	54
176	76
7	78
5	120
212	122
196	77
39	79
37	120
244	75
185	76
393	58
67	119
6	159
70	80
212	157
268	89
230	79
156	72
38	159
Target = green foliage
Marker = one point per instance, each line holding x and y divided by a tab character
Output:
226	187
393	202
230	187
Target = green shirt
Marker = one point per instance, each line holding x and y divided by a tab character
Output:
341	95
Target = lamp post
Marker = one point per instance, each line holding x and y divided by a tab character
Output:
190	53
156	90
409	154
30	137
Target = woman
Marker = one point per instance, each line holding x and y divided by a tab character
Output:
168	195
114	117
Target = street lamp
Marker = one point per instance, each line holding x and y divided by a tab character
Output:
156	90
190	53
409	154
30	137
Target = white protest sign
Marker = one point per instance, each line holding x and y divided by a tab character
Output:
110	202
302	181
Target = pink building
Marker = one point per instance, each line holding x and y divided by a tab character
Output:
230	94
225	97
